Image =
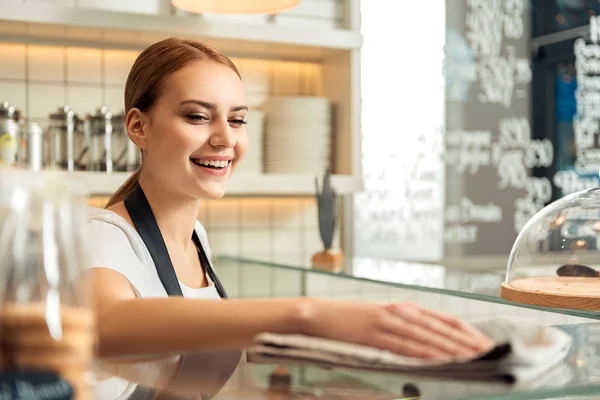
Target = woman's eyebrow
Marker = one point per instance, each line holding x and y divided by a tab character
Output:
211	106
202	103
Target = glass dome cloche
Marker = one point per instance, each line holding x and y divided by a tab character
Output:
555	260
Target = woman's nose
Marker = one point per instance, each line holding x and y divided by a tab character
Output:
222	135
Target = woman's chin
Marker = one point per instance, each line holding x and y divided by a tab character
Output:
212	190
215	196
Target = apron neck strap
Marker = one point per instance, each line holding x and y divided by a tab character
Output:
145	223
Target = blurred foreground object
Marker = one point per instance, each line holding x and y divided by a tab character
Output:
45	315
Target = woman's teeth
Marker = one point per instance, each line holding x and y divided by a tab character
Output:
209	163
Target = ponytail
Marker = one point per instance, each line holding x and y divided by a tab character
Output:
125	189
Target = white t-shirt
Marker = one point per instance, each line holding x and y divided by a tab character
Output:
117	246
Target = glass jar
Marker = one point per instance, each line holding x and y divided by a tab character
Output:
47	321
32	149
9	134
100	127
66	140
119	142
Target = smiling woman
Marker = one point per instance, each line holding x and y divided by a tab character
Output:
154	286
166	116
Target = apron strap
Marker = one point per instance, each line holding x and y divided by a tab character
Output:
143	219
145	223
208	267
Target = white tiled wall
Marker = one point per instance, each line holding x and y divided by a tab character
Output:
282	230
39	78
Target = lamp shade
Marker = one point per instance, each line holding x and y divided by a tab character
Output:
234	6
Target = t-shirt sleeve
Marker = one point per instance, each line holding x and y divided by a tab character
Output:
110	248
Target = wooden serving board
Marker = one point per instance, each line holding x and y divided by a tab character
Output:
558	292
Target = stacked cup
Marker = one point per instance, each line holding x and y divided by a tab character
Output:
251	164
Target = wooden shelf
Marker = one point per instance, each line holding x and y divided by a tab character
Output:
95	27
240	185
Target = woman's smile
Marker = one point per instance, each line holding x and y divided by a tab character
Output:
211	166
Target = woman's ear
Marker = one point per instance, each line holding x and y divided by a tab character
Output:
135	121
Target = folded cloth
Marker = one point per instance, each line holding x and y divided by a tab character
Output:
523	351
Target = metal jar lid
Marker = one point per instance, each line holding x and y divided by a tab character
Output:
100	119
8	111
64	116
119	118
100	114
118	121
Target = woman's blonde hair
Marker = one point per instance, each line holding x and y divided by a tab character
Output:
147	75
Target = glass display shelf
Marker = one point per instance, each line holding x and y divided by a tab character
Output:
466	281
577	376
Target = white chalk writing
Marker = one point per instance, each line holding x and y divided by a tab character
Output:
488	22
455	234
468	212
539	193
468	150
495	31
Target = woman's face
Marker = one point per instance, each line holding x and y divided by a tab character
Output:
196	133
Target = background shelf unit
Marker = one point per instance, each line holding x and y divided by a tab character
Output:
325	51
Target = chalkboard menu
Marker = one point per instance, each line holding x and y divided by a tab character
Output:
489	150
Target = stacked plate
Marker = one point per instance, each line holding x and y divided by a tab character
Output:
252	163
297	135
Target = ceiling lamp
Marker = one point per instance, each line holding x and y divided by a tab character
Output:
235	6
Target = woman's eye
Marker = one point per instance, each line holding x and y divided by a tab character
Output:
237	122
197	117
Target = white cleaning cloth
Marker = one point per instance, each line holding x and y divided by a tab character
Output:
523	351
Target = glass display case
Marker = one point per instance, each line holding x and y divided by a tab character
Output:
555	261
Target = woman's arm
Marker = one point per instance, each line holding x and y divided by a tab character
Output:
145	326
128	325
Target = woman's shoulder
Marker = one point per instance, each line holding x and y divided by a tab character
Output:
110	216
106	218
107	228
114	244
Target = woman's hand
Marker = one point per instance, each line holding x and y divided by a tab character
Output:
403	328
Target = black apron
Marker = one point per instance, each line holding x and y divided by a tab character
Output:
143	219
145	223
